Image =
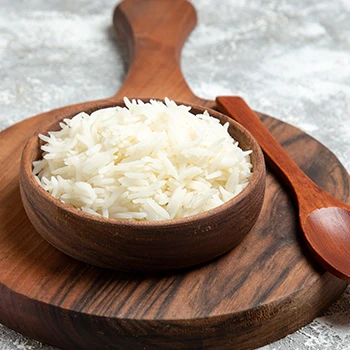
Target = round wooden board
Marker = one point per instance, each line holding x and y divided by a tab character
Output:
262	290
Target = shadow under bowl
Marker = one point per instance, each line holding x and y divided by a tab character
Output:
143	245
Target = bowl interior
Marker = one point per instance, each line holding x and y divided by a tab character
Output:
33	152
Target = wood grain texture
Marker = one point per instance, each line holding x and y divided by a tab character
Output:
143	245
262	290
324	220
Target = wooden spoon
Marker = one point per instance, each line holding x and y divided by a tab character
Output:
324	219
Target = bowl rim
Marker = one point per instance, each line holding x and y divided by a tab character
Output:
31	146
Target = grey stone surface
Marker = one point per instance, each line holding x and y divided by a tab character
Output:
289	59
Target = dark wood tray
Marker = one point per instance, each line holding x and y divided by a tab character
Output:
261	291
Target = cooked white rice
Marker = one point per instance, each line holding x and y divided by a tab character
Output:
147	161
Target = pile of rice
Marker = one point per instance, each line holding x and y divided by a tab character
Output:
147	161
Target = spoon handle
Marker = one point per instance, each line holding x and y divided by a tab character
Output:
302	186
155	31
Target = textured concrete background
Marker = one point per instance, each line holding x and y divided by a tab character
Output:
289	59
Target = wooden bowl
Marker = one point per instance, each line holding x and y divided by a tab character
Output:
143	245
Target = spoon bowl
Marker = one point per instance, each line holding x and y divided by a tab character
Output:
324	220
327	234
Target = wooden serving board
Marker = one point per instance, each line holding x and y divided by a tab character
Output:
261	291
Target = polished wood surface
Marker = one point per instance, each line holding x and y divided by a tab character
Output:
325	221
131	245
260	291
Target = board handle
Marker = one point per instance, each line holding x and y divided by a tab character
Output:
155	31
